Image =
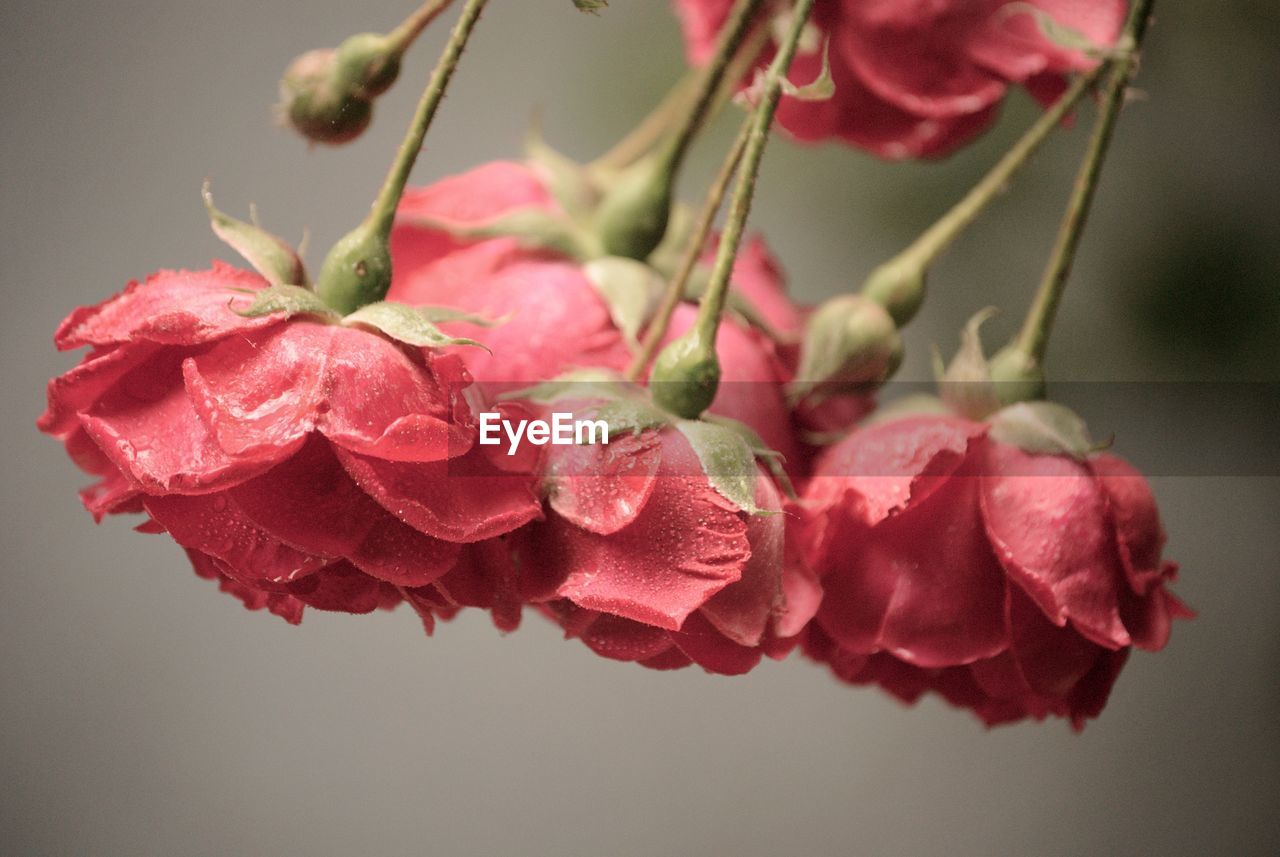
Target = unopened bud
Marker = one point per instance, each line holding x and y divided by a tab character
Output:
686	376
898	286
632	218
327	95
850	342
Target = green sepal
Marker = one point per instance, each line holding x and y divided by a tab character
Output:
270	255
534	228
631	291
570	183
821	88
575	384
1043	428
631	415
410	325
727	460
290	300
966	385
592	7
767	455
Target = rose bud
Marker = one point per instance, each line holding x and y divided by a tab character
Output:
998	562
299	458
921	79
850	344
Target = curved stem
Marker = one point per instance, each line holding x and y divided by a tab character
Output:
934	240
404	35
713	300
383	212
732	37
657	329
1033	338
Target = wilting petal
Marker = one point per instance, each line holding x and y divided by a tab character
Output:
1139	533
170	308
310	503
687	544
270	389
214	526
148	427
1048	521
281	604
466	499
74	392
713	651
340	588
744	611
891	465
922	585
916	60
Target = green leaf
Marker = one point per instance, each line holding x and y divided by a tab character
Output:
630	289
767	455
291	300
1043	428
727	460
967	387
407	324
269	255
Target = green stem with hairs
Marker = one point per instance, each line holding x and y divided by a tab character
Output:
713	301
1033	339
899	282
357	270
657	329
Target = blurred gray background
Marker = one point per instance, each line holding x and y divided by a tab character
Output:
142	713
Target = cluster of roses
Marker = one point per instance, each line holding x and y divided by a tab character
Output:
305	458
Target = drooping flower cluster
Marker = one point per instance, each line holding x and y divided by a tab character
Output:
318	446
919	79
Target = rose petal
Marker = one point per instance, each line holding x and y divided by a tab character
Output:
212	525
603	487
146	425
466	499
1048	521
171	308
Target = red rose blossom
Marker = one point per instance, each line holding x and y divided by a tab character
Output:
1011	583
299	462
553	318
917	79
643	560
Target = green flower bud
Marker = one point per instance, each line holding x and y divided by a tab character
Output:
367	63
850	342
898	286
632	218
686	376
356	272
1017	376
327	95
